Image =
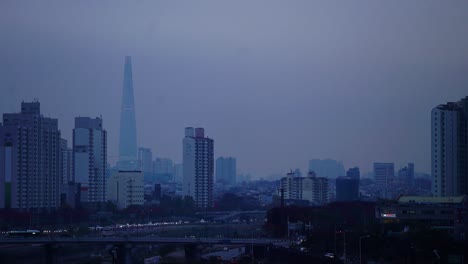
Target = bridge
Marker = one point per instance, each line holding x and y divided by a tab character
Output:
142	240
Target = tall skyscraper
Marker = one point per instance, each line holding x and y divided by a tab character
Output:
449	145
90	159
327	168
128	141
198	162
29	160
383	174
226	170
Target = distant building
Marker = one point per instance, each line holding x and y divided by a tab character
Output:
30	173
354	173
315	189
126	188
406	175
327	168
90	159
178	172
66	164
226	170
449	147
311	188
347	189
145	159
128	139
384	173
291	186
163	169
198	167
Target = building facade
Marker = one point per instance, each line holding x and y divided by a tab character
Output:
291	187
449	148
347	189
90	159
198	166
384	173
30	173
226	170
312	189
406	175
126	188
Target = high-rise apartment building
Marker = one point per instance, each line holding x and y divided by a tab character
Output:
30	173
449	148
90	159
226	170
128	159
66	164
198	166
384	174
311	188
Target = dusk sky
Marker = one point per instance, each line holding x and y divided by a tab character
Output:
274	83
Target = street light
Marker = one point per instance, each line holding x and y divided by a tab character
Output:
360	247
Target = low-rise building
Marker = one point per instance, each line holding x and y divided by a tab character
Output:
442	213
126	188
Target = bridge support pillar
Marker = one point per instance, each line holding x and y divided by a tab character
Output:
51	251
192	253
124	254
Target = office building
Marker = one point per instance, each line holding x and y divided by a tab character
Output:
226	170
347	189
30	173
128	159
126	188
384	174
145	164
90	159
449	148
198	166
327	168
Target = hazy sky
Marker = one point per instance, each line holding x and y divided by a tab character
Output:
275	83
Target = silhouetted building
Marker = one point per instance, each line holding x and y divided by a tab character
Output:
449	142
128	139
157	191
226	170
406	175
198	168
327	168
90	159
354	173
347	189
30	173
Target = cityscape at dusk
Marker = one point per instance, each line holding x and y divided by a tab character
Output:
233	132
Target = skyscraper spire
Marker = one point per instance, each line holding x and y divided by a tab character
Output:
128	141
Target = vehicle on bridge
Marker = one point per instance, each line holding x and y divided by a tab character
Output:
24	233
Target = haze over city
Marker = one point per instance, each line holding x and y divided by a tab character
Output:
275	84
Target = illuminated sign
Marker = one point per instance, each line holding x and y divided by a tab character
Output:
389	215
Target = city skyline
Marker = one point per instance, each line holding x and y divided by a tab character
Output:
174	70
